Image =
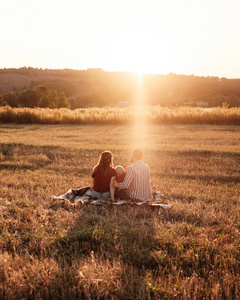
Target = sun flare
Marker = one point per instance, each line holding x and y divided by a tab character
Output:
138	50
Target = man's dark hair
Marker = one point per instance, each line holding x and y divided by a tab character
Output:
137	154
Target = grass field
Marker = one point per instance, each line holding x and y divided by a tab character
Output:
189	252
123	116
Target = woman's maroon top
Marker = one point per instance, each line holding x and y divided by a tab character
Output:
101	181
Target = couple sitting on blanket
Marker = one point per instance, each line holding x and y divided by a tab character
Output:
109	182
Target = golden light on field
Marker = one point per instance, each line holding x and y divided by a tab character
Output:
138	50
139	128
139	98
139	135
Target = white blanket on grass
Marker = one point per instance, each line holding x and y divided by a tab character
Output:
85	196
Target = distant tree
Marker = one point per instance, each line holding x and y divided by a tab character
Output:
45	101
9	98
41	90
53	95
62	101
28	98
48	98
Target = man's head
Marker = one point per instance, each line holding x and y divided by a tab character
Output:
136	154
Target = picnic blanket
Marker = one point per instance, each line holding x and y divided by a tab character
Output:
84	196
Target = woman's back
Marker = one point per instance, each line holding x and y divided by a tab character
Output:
101	180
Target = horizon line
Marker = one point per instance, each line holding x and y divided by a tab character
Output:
116	71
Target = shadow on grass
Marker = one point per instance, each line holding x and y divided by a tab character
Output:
17	167
17	156
123	234
130	236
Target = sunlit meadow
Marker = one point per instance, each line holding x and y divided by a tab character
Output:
53	252
122	116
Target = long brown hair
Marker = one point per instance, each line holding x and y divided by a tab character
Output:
105	162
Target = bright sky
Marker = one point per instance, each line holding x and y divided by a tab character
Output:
200	37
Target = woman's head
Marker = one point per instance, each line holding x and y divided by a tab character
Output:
105	161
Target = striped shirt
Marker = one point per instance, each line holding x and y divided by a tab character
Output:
137	181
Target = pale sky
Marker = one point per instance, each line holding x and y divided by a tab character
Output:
199	37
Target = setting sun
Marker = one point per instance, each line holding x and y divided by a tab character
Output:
151	36
138	50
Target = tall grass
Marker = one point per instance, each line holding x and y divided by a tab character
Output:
108	115
53	252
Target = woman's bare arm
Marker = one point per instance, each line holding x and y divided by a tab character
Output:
112	187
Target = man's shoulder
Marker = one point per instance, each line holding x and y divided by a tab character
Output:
141	164
136	165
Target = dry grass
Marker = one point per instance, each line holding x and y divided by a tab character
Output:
109	115
191	252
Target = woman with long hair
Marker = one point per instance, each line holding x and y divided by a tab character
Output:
102	174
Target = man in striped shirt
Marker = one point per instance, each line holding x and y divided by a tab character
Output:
136	184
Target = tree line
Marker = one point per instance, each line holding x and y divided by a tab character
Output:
39	96
96	87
